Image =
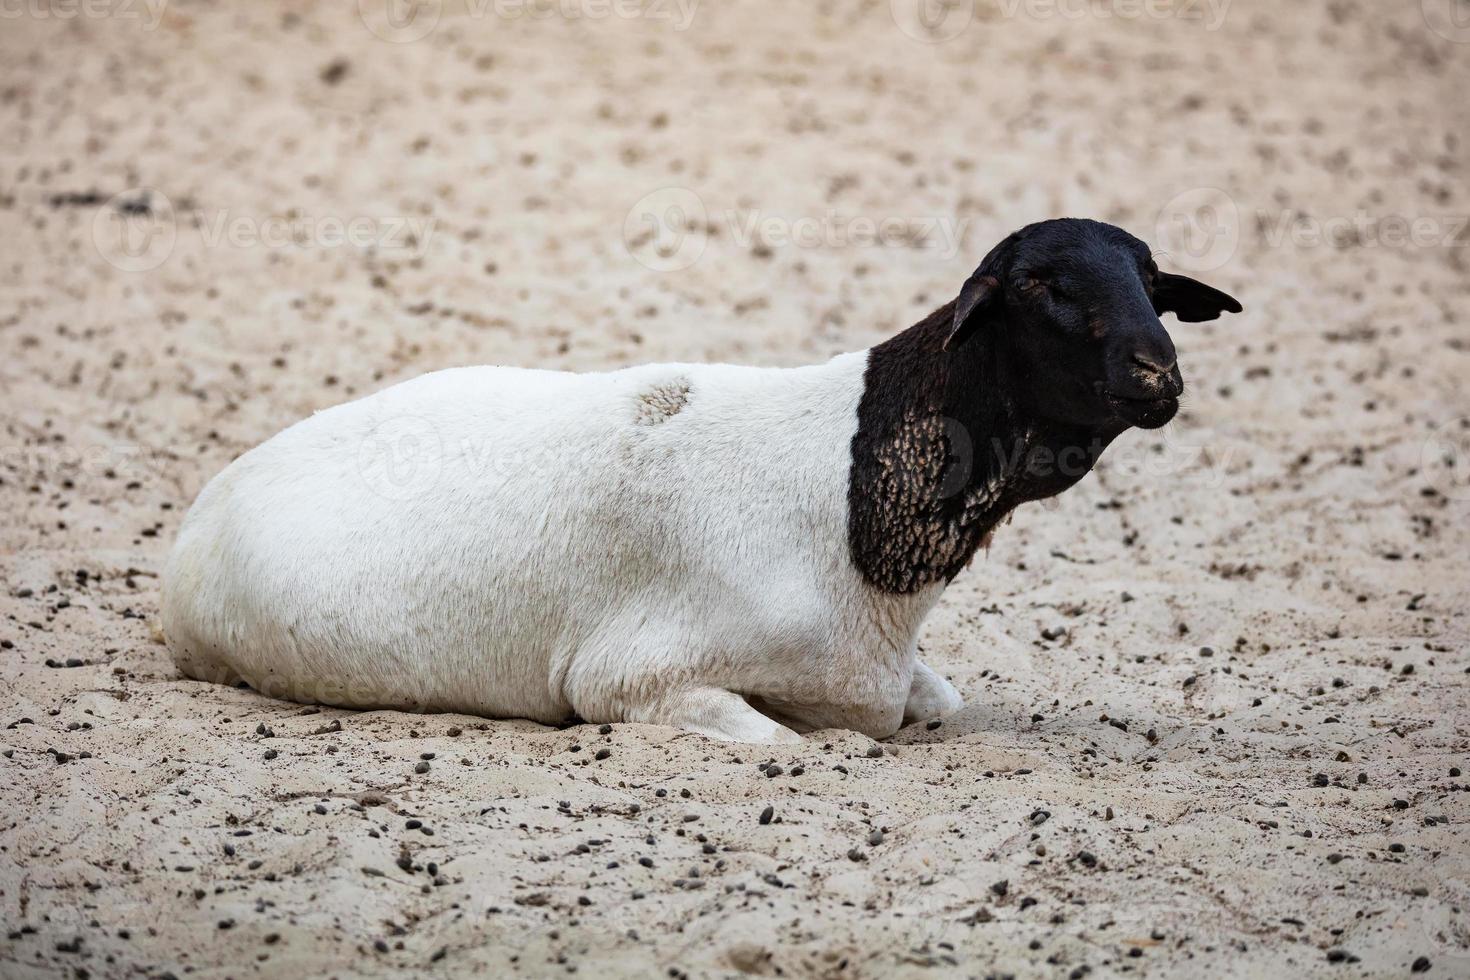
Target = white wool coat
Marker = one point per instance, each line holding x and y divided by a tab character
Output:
666	543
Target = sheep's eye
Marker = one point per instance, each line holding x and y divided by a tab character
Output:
1047	288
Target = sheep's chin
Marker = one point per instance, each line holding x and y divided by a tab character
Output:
1144	414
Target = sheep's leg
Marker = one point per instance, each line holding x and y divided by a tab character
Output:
930	696
719	714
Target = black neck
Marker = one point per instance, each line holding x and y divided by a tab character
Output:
946	447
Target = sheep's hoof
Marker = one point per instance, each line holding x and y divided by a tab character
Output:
930	696
720	714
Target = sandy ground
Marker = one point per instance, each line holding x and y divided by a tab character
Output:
1236	754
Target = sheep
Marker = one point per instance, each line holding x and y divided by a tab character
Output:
746	553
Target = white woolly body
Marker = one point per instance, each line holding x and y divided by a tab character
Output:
666	543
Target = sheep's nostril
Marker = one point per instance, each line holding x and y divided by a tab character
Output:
1153	363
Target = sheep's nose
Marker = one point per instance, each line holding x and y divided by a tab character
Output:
1154	362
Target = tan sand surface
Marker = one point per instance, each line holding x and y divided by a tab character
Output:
1236	753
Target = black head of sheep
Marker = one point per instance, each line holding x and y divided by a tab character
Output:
1010	393
1077	303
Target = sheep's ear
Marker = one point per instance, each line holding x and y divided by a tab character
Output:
969	309
1191	301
